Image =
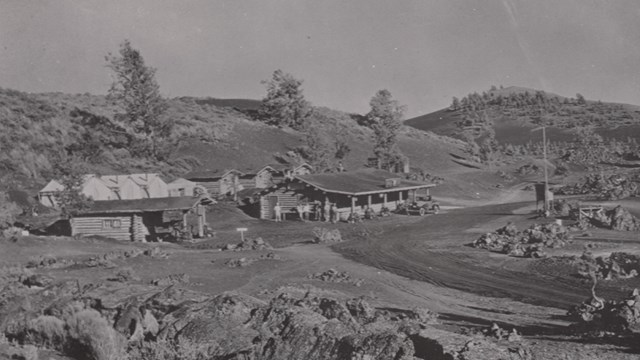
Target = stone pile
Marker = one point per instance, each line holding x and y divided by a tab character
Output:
335	276
618	265
323	235
607	187
599	317
240	262
498	333
528	243
249	244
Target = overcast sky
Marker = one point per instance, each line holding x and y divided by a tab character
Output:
423	51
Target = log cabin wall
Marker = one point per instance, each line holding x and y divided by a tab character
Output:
288	200
212	186
247	182
117	226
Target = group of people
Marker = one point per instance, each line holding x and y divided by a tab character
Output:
328	213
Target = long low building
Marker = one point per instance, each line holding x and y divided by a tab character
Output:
351	192
139	219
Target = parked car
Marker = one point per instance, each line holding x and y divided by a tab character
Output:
421	206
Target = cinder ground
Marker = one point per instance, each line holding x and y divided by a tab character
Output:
404	262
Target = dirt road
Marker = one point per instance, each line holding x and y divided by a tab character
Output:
435	249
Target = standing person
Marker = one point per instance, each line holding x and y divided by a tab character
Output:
317	210
306	209
333	213
327	211
299	209
277	210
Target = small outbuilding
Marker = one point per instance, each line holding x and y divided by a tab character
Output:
217	182
351	192
140	219
182	187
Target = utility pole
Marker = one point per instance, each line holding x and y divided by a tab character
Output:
546	174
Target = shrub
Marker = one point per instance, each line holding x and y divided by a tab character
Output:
167	350
46	331
14	273
93	338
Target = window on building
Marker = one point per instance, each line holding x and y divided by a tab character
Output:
111	224
181	192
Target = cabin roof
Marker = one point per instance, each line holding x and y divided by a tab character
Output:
359	182
146	205
181	181
209	174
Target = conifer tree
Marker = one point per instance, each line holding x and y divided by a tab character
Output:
136	92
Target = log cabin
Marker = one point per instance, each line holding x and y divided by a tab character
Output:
140	219
182	187
217	182
352	192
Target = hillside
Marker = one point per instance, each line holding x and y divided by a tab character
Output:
41	132
513	111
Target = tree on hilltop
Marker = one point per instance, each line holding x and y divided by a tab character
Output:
284	104
385	119
137	93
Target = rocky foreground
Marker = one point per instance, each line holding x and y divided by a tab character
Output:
124	320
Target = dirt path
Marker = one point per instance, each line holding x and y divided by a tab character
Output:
433	249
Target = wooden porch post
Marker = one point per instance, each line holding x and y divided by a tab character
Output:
353	204
400	196
384	200
184	219
414	195
369	200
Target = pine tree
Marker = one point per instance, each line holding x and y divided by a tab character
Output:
137	93
284	104
385	119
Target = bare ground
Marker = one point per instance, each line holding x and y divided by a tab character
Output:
403	261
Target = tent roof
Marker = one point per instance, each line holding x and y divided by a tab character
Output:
52	186
209	174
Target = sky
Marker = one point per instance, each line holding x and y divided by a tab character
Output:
424	52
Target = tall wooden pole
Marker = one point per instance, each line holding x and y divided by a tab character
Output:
546	175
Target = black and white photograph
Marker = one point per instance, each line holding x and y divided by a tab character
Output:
319	179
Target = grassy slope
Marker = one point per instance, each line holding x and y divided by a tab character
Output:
219	137
620	121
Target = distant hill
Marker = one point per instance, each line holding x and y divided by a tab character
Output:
513	111
39	130
238	104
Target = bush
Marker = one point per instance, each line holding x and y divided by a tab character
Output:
166	350
91	337
46	331
14	273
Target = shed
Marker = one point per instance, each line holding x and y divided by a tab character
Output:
139	219
350	191
217	182
181	187
47	196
